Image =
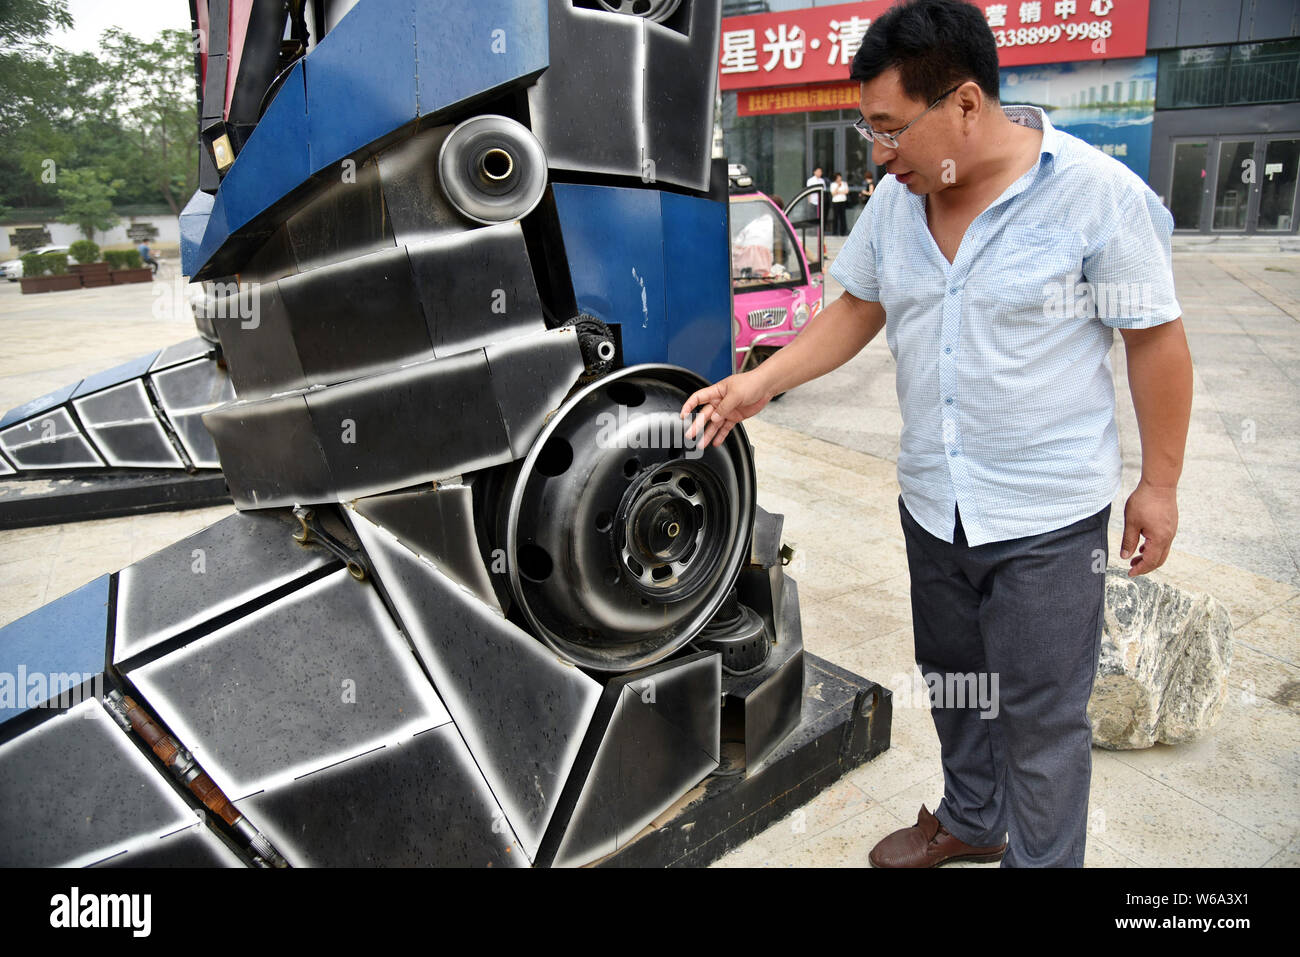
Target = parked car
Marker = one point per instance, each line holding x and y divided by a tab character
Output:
13	268
776	272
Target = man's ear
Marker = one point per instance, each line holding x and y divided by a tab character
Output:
970	97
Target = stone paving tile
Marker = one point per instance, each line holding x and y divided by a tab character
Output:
820	576
1247	596
1254	674
783	845
1214	772
1156	826
1275	633
856	616
1288	857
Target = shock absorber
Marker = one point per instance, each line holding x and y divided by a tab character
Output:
185	769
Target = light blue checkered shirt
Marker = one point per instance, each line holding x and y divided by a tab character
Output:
1004	375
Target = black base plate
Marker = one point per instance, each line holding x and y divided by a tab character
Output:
845	725
56	499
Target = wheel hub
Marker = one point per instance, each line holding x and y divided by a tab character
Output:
621	537
665	547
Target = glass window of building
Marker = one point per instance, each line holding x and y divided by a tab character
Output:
1229	75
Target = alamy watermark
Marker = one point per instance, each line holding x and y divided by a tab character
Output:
219	300
619	431
952	689
75	909
1104	300
39	689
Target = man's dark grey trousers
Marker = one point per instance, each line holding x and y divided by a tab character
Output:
1028	611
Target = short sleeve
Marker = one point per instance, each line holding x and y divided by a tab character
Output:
1131	274
855	267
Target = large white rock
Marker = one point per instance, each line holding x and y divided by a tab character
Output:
1164	664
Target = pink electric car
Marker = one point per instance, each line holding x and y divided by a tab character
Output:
776	271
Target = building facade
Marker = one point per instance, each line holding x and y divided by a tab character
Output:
1201	98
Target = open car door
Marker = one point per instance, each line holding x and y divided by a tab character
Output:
807	214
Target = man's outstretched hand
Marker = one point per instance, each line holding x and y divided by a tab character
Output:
726	403
1151	513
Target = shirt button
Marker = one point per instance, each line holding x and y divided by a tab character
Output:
953	453
947	350
948	400
953	290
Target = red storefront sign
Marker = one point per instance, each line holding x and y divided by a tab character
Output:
798	99
817	45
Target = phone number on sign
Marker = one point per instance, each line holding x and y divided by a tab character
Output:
1092	30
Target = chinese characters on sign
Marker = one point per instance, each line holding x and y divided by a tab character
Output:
817	44
789	44
799	99
1061	21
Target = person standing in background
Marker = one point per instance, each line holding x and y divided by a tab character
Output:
816	179
839	204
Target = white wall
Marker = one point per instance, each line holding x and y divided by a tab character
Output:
63	234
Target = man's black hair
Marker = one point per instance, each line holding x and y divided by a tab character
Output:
936	44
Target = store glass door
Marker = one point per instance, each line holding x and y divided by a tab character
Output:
1277	186
825	148
1236	184
1233	181
1188	184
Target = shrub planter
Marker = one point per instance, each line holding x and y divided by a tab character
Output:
123	276
50	283
93	274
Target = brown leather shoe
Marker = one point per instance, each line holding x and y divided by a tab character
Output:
928	844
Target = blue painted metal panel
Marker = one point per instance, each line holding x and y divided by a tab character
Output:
480	46
194	223
116	375
613	237
66	637
274	161
216	233
697	285
361	80
40	404
658	264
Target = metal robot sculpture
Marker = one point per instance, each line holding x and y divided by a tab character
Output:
481	604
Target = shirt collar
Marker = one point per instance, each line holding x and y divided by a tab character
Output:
1035	118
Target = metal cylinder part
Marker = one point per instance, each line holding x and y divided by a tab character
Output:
492	169
738	633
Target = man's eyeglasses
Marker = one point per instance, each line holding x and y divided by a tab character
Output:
890	140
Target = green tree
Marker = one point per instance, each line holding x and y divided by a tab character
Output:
25	20
87	196
23	24
154	103
128	110
28	80
24	72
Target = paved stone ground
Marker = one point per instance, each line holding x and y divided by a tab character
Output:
825	456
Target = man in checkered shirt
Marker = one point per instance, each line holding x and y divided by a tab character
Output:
999	255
